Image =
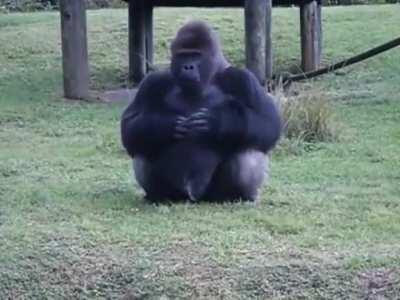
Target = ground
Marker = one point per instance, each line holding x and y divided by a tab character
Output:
73	224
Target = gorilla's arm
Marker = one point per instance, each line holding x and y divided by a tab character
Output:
250	119
145	126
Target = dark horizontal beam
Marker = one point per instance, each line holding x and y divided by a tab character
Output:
218	3
199	3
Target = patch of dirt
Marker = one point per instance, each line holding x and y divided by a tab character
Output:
294	281
203	275
74	268
377	284
65	268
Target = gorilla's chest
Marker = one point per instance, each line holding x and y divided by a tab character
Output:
185	104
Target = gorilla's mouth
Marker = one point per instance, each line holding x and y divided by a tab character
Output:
190	82
191	87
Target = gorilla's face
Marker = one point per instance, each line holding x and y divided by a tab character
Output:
191	69
196	57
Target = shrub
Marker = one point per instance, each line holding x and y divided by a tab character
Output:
308	116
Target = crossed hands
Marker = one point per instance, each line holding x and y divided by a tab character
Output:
196	123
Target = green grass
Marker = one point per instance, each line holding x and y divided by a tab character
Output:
73	224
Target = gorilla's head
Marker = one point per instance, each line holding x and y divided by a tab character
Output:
196	56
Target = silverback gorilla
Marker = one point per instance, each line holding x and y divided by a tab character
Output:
201	129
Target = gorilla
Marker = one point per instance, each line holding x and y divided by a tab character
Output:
201	129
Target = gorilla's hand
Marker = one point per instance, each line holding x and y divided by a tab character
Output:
200	122
181	128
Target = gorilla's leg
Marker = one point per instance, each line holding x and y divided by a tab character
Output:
240	177
172	178
142	170
155	187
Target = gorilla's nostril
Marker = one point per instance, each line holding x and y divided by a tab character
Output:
188	67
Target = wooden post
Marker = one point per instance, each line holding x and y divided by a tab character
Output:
255	26
149	37
268	41
137	41
74	49
320	31
309	27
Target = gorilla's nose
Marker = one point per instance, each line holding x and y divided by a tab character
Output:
190	72
188	67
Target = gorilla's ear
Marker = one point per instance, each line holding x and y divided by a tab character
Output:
198	36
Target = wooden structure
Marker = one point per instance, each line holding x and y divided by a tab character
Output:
258	40
74	49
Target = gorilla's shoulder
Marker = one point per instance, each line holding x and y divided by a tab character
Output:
235	73
157	81
235	79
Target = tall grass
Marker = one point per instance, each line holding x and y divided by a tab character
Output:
307	114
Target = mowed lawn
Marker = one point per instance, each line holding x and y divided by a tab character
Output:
74	225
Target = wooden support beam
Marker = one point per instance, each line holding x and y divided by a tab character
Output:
149	37
215	3
74	49
268	41
255	27
310	31
137	41
319	22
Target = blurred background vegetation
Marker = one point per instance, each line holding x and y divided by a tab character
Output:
32	5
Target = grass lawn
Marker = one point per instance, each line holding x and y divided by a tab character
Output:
73	224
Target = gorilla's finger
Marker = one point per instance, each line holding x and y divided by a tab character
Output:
181	123
201	129
198	122
199	113
200	125
198	117
181	119
182	129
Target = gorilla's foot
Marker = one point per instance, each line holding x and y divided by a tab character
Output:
196	186
192	197
153	199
